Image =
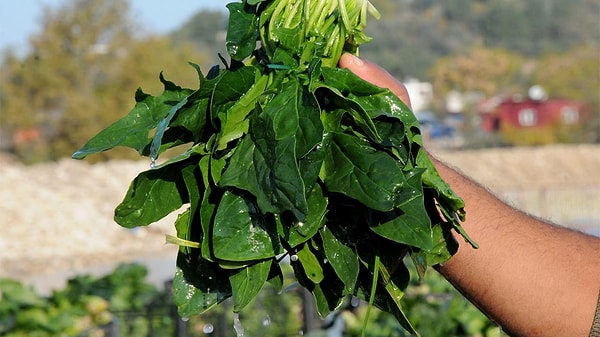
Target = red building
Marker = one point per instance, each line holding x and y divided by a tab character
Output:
526	121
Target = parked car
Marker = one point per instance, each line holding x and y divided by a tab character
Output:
432	127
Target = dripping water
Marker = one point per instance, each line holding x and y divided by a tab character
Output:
237	325
208	328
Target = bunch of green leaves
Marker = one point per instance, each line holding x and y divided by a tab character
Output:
287	156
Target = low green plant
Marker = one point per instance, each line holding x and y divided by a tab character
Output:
84	307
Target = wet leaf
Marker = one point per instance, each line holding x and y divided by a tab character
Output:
246	283
241	233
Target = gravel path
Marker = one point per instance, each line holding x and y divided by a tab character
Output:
57	217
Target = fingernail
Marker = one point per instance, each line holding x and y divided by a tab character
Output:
357	60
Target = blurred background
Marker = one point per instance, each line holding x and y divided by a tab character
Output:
506	91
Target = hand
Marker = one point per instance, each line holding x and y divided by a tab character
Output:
374	74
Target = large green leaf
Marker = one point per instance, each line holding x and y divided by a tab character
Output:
346	82
265	164
198	285
231	86
375	100
132	130
247	282
245	172
297	232
241	232
234	122
342	258
359	116
274	132
241	33
154	194
409	223
359	171
309	132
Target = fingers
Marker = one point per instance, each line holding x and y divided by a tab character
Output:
374	74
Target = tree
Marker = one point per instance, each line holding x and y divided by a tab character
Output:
535	27
487	71
574	74
407	43
80	75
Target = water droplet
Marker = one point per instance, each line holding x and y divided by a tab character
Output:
237	325
152	163
185	319
232	49
208	328
294	257
300	224
266	321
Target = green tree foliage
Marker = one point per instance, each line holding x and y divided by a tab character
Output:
574	74
535	27
72	82
408	44
483	70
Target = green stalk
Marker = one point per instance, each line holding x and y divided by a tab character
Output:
274	20
292	14
344	14
372	295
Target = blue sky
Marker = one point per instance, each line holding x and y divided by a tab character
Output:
20	19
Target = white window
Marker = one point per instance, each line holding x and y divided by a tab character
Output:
569	115
527	117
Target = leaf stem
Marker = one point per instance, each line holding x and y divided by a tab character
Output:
292	14
181	242
372	295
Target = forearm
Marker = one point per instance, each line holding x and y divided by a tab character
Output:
533	278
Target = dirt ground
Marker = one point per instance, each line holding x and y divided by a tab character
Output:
56	218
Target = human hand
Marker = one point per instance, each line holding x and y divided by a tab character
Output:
374	74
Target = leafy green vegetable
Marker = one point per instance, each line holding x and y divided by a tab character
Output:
288	155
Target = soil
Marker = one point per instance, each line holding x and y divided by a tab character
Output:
56	218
